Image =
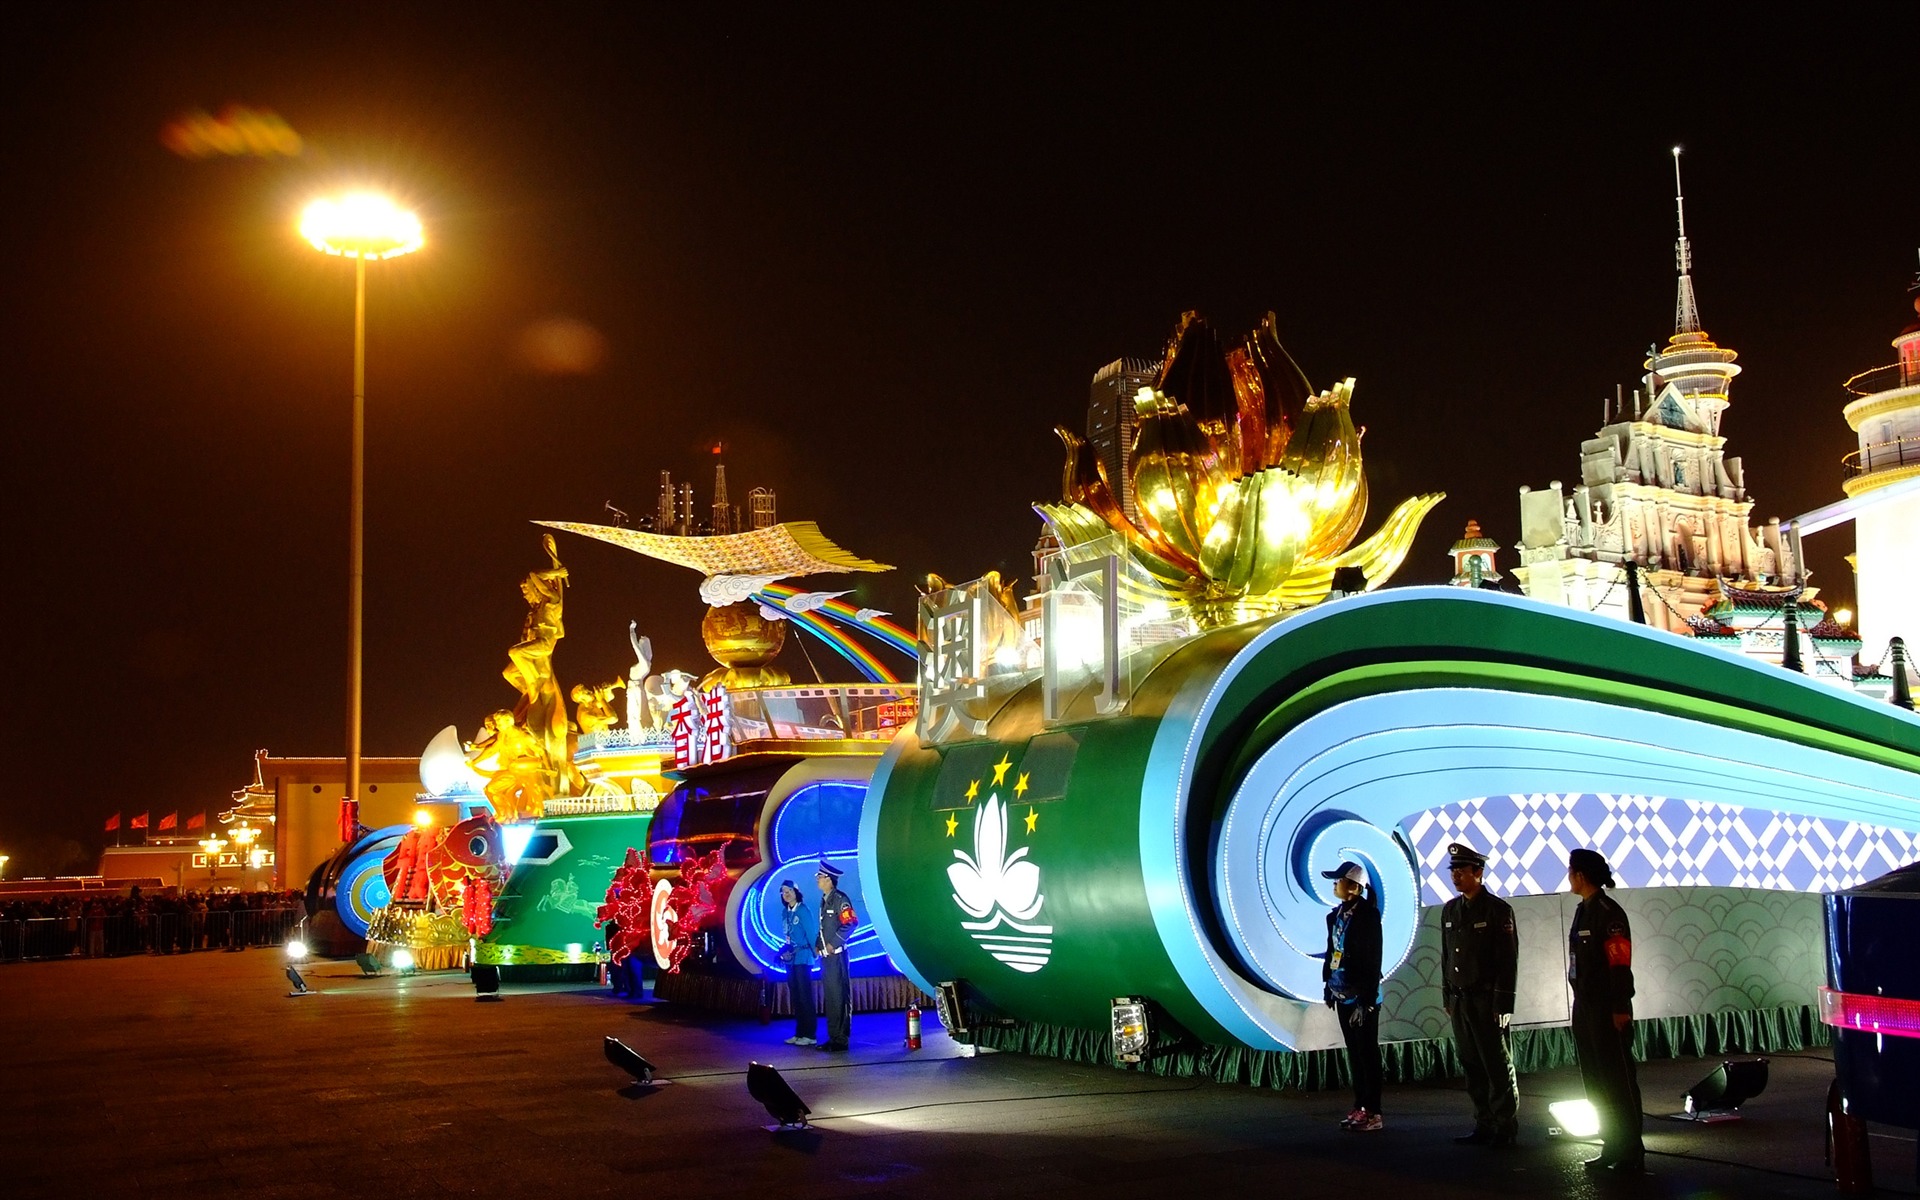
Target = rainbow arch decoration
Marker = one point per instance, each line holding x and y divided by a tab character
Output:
841	642
1173	850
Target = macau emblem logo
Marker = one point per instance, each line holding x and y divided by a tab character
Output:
1001	893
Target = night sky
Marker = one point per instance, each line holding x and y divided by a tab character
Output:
879	260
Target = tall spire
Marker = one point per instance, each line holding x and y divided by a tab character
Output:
1686	311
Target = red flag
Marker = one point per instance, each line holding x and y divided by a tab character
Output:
197	821
170	821
139	822
113	822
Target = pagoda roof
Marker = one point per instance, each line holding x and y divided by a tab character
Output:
1473	539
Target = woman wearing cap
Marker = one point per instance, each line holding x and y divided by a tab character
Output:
802	932
1352	976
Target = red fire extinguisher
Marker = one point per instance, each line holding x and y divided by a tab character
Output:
1847	1150
913	1025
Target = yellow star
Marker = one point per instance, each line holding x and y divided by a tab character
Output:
952	824
1000	769
1020	785
973	790
1033	818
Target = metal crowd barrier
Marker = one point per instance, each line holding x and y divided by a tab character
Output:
116	935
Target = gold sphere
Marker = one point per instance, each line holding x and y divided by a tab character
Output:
745	644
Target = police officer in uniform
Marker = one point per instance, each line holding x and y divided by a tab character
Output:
1480	961
1600	968
837	923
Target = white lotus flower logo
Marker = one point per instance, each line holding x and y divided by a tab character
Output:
1001	891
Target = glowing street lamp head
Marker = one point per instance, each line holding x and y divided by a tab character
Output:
361	225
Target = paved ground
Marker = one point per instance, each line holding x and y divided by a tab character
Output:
195	1076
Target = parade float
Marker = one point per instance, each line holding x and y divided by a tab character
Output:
767	776
1135	820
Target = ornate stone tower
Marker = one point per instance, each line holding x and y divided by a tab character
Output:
1657	489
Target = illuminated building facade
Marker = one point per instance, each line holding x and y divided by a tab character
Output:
1110	422
1885	413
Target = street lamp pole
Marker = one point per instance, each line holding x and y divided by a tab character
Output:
356	537
359	227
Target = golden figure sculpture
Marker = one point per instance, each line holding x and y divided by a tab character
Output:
515	765
1248	484
542	711
593	706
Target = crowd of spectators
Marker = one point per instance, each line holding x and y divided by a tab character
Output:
143	922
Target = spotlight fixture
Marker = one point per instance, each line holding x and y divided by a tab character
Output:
1347	581
486	982
368	964
1577	1118
296	950
782	1104
403	960
628	1059
946	1001
299	985
1132	1030
1719	1096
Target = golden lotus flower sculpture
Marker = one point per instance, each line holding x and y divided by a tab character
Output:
1247	484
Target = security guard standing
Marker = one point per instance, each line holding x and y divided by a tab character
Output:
1600	967
1480	961
837	922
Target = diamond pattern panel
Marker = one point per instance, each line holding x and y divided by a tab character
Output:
1652	841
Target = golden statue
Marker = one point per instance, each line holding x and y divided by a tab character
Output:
593	706
515	764
1248	485
542	711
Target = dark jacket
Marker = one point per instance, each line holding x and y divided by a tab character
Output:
1360	961
837	922
1479	949
1600	956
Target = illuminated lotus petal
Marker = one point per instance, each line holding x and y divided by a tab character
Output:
1163	484
1281	527
1326	456
1283	384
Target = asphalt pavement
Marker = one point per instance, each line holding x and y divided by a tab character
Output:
197	1076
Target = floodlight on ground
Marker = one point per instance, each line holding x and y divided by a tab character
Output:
1719	1096
486	982
296	949
368	964
1132	1030
403	961
628	1059
1575	1118
299	984
946	1000
782	1104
